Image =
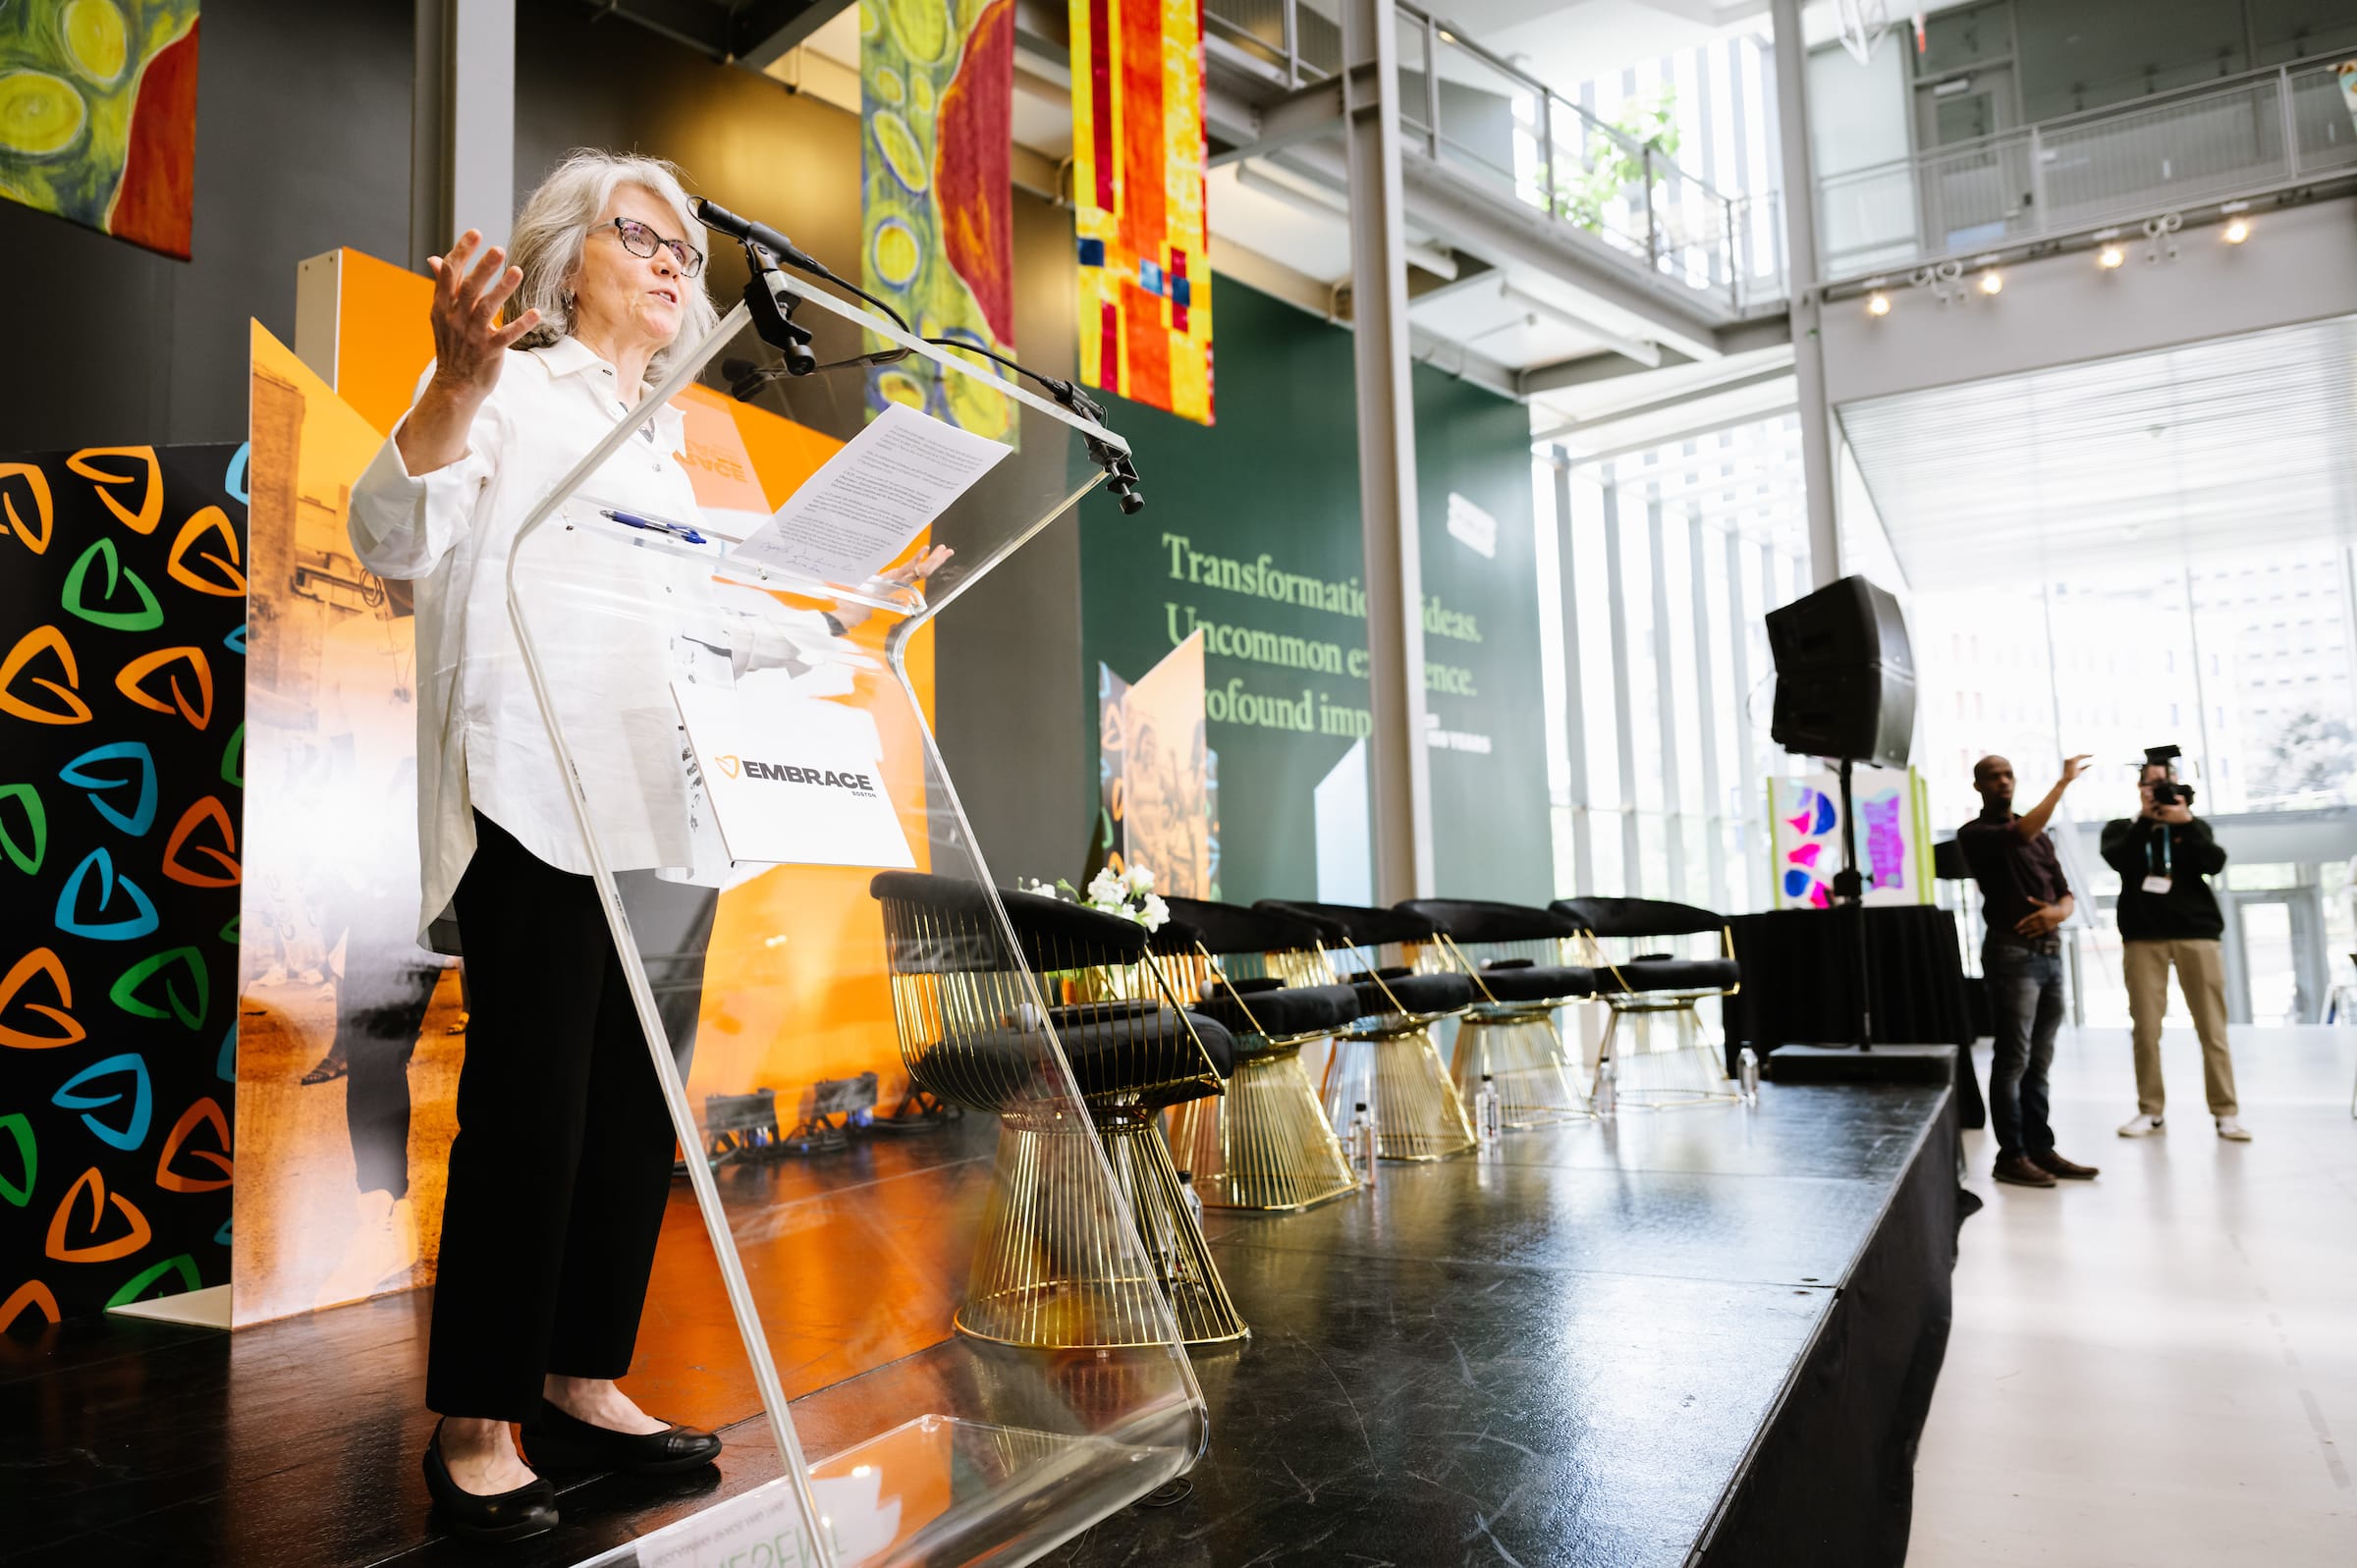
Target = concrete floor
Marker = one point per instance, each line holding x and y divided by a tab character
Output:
2159	1367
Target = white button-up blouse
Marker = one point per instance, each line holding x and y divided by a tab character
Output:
483	743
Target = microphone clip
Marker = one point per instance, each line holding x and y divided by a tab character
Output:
1121	473
772	300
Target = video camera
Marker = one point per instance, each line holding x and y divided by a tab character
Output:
2167	791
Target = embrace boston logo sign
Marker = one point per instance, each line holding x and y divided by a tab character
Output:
858	784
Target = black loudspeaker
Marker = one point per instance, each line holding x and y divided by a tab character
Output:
1844	676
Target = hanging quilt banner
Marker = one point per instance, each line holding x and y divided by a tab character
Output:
937	213
1138	199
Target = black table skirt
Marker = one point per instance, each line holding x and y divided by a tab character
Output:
1798	966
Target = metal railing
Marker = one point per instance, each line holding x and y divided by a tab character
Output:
2264	132
1465	107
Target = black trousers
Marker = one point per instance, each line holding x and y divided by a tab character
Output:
562	1163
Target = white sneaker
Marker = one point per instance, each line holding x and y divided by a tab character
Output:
2233	1129
2144	1126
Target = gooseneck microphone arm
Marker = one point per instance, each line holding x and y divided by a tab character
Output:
774	321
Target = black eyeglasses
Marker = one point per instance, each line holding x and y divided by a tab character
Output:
640	241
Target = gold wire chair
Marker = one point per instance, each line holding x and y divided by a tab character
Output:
1386	1056
1049	1270
1265	1144
1509	1036
1691	1069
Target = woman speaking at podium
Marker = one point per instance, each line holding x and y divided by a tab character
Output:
562	1164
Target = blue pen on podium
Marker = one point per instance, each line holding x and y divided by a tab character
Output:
630	520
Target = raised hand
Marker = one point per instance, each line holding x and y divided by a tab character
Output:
468	340
2072	767
470	346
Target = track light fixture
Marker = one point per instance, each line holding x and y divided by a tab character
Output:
1945	280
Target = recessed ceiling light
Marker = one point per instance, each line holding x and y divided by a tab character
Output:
1878	304
2109	257
1993	282
2237	230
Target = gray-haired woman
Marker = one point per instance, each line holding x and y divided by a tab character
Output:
562	1164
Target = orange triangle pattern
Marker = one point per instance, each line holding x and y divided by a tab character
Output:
209	809
123	1246
204	1111
41	960
151	511
198	713
43	639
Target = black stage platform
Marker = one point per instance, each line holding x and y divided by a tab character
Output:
1703	1335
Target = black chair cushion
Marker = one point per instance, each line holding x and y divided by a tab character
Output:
1532	983
1234	928
1294	1011
1636	917
1111	1047
1359	925
1671	974
1390	971
1416	993
1249	984
948	925
1487	919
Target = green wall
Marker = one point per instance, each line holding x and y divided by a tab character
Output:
1252	530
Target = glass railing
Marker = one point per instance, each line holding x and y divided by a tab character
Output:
1481	115
2181	150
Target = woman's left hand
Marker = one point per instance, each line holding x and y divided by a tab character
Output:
908	575
923	566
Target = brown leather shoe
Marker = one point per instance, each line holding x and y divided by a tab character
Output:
2022	1172
2053	1165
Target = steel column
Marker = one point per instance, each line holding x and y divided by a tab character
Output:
1706	713
1624	733
1575	722
1399	765
1800	251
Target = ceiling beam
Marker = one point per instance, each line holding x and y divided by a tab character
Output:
1671	438
1674	401
759	32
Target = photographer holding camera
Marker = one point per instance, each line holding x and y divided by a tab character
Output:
2168	916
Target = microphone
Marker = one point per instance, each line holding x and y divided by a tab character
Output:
719	219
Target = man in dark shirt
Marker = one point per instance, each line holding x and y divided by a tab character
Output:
2025	899
2169	917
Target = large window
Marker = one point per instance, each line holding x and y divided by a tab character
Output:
1655	570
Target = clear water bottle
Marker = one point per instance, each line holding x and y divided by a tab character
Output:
1604	1101
1195	1199
1747	1076
1487	1116
1360	1143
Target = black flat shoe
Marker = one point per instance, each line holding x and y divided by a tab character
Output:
557	1441
517	1515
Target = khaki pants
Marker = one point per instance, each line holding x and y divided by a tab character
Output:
2201	976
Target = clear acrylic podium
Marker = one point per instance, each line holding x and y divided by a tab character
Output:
902	1440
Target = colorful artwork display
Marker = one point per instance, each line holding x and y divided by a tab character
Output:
1157	779
937	202
1137	203
1894	839
122	730
98	115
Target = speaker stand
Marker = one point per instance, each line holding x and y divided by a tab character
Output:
1849	889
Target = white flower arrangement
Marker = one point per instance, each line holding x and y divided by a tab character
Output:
1130	894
